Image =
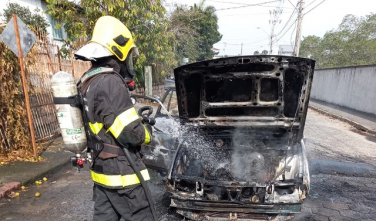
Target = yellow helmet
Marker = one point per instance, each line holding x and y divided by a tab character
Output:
114	36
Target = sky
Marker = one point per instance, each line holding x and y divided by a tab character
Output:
247	22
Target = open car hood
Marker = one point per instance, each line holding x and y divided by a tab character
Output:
247	91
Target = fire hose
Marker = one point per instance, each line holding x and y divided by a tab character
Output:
150	121
143	183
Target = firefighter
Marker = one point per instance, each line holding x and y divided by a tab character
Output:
114	123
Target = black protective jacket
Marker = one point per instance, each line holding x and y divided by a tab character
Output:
112	121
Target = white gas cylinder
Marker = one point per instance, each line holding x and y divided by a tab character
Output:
70	118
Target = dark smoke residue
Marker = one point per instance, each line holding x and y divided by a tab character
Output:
246	155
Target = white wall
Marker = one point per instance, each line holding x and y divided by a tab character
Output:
352	87
32	5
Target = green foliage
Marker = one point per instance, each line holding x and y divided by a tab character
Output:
34	19
195	30
162	40
182	26
208	31
353	43
13	116
144	18
310	46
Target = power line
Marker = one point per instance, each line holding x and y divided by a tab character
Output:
287	30
292	4
258	4
292	14
244	4
314	7
292	44
247	14
231	44
235	3
249	43
275	15
244	44
235	49
311	3
234	39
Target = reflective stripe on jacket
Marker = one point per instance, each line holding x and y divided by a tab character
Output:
113	118
119	181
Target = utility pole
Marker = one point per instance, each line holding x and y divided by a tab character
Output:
270	37
275	14
299	29
271	43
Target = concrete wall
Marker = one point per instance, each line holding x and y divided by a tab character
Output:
352	87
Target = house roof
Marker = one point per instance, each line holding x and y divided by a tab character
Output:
286	48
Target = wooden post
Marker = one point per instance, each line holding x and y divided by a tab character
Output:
23	76
71	58
299	29
58	56
49	58
148	81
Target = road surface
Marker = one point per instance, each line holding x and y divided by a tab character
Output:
343	182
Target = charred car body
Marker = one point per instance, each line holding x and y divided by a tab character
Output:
240	153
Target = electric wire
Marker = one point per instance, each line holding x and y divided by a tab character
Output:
310	3
250	43
292	4
314	7
292	14
247	43
292	44
287	30
244	4
237	39
249	14
258	4
235	3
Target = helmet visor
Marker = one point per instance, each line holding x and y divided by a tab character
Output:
131	60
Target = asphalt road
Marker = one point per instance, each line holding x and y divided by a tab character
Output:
343	182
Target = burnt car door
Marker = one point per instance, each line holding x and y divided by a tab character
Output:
157	154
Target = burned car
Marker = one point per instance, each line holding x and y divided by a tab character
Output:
239	152
158	153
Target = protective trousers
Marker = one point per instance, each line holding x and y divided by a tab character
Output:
130	203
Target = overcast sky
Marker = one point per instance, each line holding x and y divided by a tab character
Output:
240	25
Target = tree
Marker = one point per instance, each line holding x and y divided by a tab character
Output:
195	30
310	46
265	52
256	53
182	26
145	19
353	43
33	19
207	30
